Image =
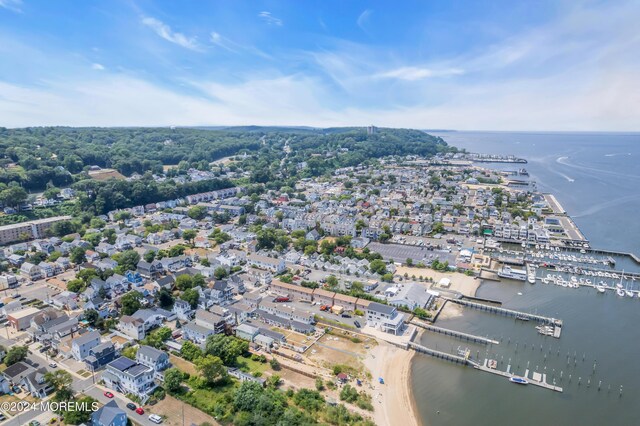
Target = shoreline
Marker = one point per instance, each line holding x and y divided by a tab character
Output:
394	402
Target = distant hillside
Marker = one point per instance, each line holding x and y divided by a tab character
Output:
59	156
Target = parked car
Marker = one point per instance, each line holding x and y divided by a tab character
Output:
357	324
108	394
139	410
346	316
53	364
131	406
155	419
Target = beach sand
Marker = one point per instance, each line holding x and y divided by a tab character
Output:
393	402
459	282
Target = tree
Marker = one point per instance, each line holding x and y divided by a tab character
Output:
189	235
220	273
197	212
184	282
13	196
157	337
59	379
319	384
409	261
86	406
130	352
165	298
192	296
127	260
190	351
227	348
177	250
273	381
51	193
92	316
357	288
77	255
149	256
438	228
76	286
15	354
130	302
378	266
309	400
211	368
332	282
247	396
275	364
172	380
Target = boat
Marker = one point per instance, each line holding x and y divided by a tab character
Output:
522	318
620	292
512	273
600	289
518	380
531	273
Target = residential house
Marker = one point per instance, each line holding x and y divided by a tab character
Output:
385	318
31	271
101	355
153	358
183	310
273	265
129	377
132	327
109	415
81	345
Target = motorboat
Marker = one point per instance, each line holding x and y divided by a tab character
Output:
518	380
600	289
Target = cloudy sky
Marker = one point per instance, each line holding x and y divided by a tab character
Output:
475	65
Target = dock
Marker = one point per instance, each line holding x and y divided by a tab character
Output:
441	355
507	312
537	379
454	333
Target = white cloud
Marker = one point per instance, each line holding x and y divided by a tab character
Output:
165	31
223	42
270	19
98	67
363	20
415	73
12	5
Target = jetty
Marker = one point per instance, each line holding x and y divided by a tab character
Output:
441	355
454	333
537	379
507	312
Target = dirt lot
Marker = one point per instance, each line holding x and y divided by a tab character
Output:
338	349
172	409
105	174
183	365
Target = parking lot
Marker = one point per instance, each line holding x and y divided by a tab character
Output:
401	252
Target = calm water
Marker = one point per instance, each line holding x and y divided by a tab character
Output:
595	177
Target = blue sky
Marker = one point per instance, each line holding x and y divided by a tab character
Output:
476	65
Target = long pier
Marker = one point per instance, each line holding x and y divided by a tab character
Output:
454	333
507	312
538	379
439	354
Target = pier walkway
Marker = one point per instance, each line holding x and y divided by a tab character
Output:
537	380
507	312
454	333
442	355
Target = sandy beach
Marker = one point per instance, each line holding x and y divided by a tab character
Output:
393	402
459	282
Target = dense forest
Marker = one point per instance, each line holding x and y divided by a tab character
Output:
37	159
